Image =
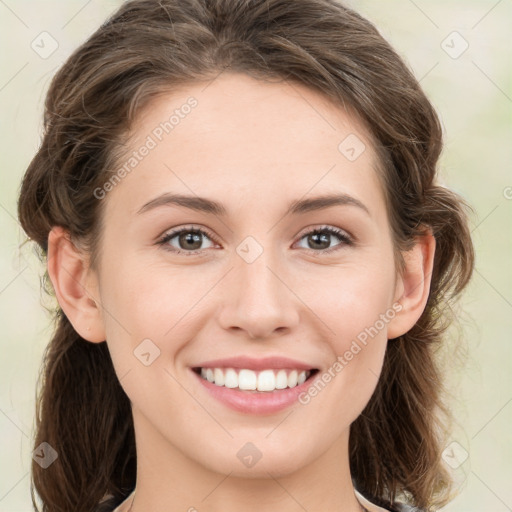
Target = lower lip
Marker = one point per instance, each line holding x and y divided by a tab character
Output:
256	402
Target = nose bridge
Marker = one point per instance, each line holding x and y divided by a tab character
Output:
258	300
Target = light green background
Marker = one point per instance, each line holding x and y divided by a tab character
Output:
473	96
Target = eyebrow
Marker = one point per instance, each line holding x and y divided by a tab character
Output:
210	206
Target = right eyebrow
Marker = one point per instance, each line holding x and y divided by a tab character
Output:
197	203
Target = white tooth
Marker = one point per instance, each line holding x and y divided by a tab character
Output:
266	381
230	378
219	376
292	379
247	379
281	379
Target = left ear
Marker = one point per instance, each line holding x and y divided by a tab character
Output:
413	285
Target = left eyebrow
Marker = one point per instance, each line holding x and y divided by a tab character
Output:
325	201
210	206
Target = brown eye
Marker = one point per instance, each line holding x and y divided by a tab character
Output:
187	241
319	240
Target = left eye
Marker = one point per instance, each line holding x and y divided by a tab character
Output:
321	237
189	240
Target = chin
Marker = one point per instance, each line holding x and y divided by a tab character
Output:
257	460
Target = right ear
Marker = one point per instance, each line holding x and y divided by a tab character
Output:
75	285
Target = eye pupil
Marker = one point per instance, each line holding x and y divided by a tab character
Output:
190	237
320	238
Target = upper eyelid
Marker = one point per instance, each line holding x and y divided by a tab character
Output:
322	227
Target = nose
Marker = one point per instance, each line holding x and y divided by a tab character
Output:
258	299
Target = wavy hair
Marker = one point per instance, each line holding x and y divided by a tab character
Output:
149	47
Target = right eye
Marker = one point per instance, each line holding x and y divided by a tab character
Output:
187	239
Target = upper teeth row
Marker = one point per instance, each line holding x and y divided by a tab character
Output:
266	380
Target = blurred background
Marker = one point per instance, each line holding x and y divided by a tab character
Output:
462	53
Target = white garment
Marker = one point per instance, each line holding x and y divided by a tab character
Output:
129	498
367	504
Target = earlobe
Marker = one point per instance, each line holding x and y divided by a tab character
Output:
413	286
75	287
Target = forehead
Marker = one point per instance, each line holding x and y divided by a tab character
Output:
237	137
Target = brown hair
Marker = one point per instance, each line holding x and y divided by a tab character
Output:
148	47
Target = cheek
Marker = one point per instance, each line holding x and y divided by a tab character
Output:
354	304
150	308
142	311
352	301
137	294
132	297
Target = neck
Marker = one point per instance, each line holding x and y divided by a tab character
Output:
168	480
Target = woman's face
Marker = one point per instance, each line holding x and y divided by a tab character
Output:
253	280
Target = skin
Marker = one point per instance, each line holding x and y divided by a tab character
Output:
254	147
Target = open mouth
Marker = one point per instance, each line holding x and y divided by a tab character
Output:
249	380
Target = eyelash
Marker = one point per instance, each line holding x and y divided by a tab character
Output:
345	239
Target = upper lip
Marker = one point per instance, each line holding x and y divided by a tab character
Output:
250	363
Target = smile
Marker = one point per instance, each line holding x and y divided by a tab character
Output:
248	380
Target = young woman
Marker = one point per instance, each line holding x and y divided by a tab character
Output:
238	208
